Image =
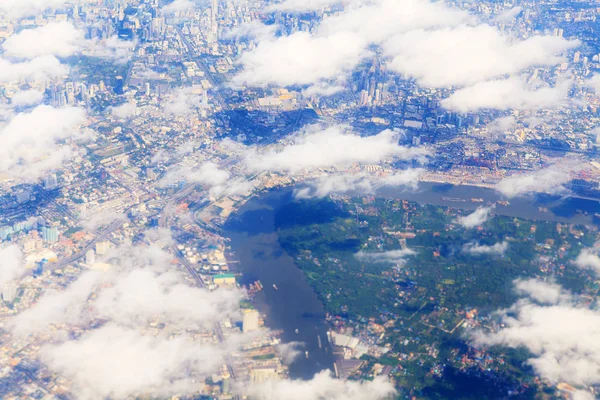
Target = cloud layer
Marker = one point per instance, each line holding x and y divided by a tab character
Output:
335	146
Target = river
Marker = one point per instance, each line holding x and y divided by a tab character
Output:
295	305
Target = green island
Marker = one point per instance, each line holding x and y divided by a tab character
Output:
399	274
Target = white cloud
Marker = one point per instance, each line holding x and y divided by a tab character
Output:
501	125
549	180
588	258
542	292
57	307
466	55
118	354
476	218
113	48
596	133
300	59
357	183
141	294
92	220
11	263
377	21
304	5
478	249
562	337
30	144
508	15
123	111
594	82
177	6
59	39
334	146
118	362
323	386
390	256
39	69
24	8
582	395
290	351
182	101
252	29
510	93
27	98
339	43
208	174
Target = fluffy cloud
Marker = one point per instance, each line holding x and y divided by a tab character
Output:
339	43
300	59
509	15
113	48
124	110
562	336
549	180
501	125
476	218
358	183
27	98
588	258
478	249
183	101
594	82
177	6
24	8
290	351
57	307
11	264
92	220
207	174
466	55
117	362
40	68
30	142
304	5
323	386
391	256
458	52
60	39
542	292
219	182
334	146
510	93
121	357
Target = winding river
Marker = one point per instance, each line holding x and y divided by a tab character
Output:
293	305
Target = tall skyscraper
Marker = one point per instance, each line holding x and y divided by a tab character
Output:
50	235
214	27
50	182
90	257
250	321
102	247
9	292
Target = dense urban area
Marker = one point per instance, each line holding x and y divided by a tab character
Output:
137	137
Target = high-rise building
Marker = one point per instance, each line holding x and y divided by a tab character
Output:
50	182
90	257
250	321
50	235
102	247
214	27
9	292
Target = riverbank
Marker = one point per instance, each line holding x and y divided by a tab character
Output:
289	302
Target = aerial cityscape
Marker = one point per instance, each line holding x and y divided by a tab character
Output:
299	199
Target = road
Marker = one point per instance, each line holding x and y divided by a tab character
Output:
113	226
207	74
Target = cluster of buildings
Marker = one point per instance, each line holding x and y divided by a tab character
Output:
153	91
